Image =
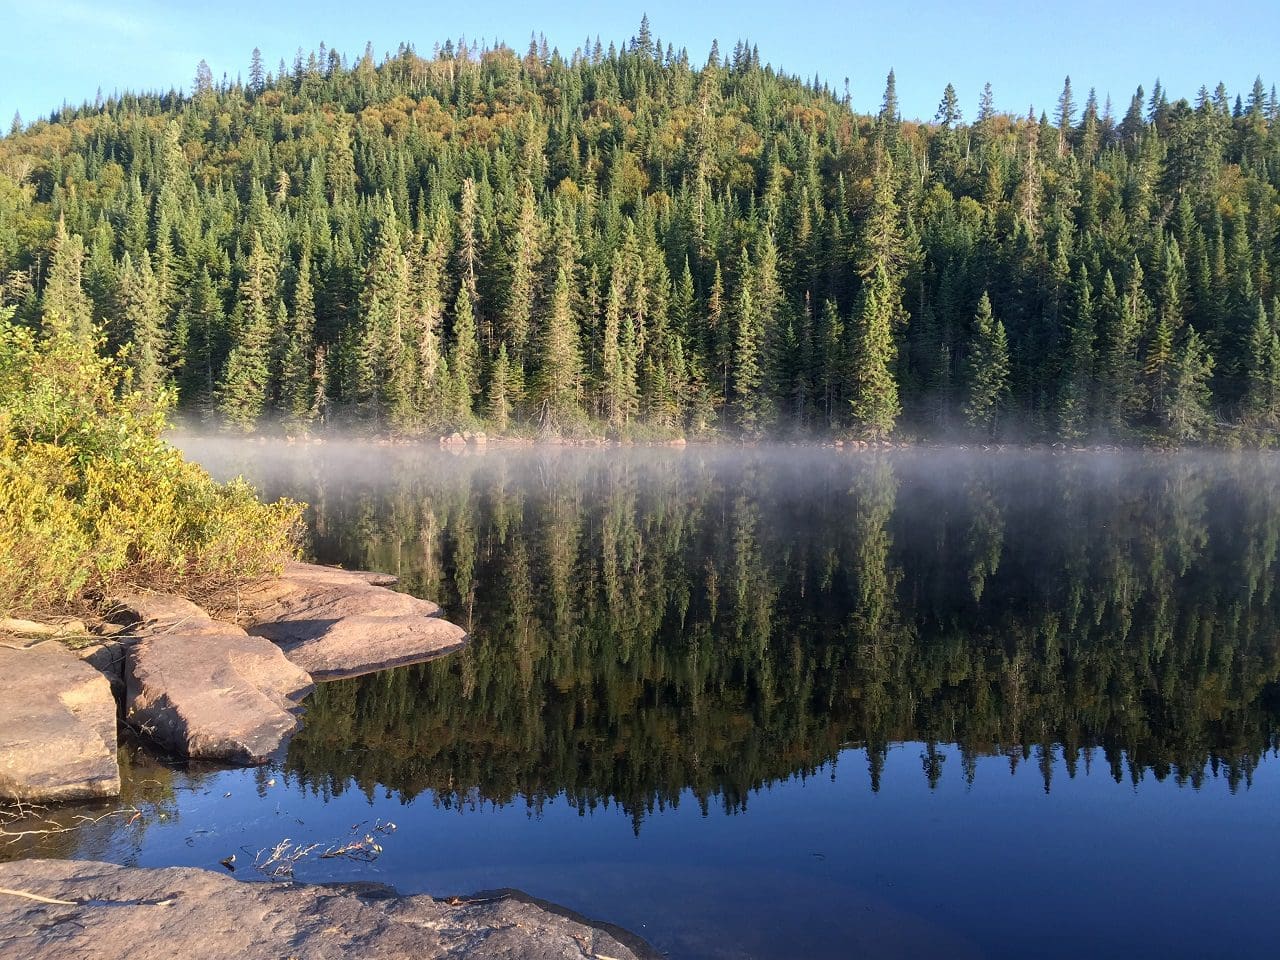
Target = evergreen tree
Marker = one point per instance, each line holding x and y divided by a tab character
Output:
499	407
243	391
245	386
64	303
559	369
204	340
987	371
617	394
142	316
1075	402
1187	414
464	357
297	387
874	392
749	403
1262	392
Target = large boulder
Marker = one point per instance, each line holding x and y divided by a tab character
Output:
211	691
57	727
114	912
340	623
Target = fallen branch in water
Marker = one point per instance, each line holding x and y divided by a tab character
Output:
278	862
20	812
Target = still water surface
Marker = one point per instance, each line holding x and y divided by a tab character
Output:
792	703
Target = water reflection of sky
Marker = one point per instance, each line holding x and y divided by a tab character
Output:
820	867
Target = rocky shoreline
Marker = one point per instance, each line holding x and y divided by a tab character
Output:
79	908
196	685
227	685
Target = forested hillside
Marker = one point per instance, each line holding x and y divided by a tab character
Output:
624	240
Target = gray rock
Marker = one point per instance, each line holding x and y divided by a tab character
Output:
57	726
340	623
124	912
209	690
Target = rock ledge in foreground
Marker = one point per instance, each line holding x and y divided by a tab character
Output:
341	623
124	912
205	689
57	727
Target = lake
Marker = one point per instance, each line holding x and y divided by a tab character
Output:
789	702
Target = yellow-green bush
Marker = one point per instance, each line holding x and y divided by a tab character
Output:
93	502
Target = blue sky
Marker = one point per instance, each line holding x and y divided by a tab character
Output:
53	51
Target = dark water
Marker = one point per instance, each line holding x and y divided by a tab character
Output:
789	703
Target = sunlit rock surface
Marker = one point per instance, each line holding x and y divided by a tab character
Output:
205	689
123	912
57	726
336	623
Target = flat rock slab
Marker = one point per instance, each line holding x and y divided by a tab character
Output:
341	623
215	693
158	614
337	575
57	727
125	912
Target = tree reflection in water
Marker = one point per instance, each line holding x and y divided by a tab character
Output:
653	622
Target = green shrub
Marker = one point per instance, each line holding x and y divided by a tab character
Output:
93	502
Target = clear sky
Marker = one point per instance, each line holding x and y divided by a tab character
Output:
53	51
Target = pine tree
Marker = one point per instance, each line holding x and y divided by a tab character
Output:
297	400
1261	404
1075	402
1119	320
469	241
1158	367
257	78
987	370
769	307
464	357
873	395
1065	117
616	392
64	303
1187	414
719	336
559	370
141	315
888	122
499	406
243	390
749	403
245	385
873	389
525	251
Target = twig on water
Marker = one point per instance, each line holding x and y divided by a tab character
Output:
278	862
21	811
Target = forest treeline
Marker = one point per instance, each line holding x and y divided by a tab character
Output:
622	240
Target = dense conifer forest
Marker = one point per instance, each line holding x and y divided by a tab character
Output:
623	241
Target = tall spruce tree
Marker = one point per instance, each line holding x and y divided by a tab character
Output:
987	371
559	371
